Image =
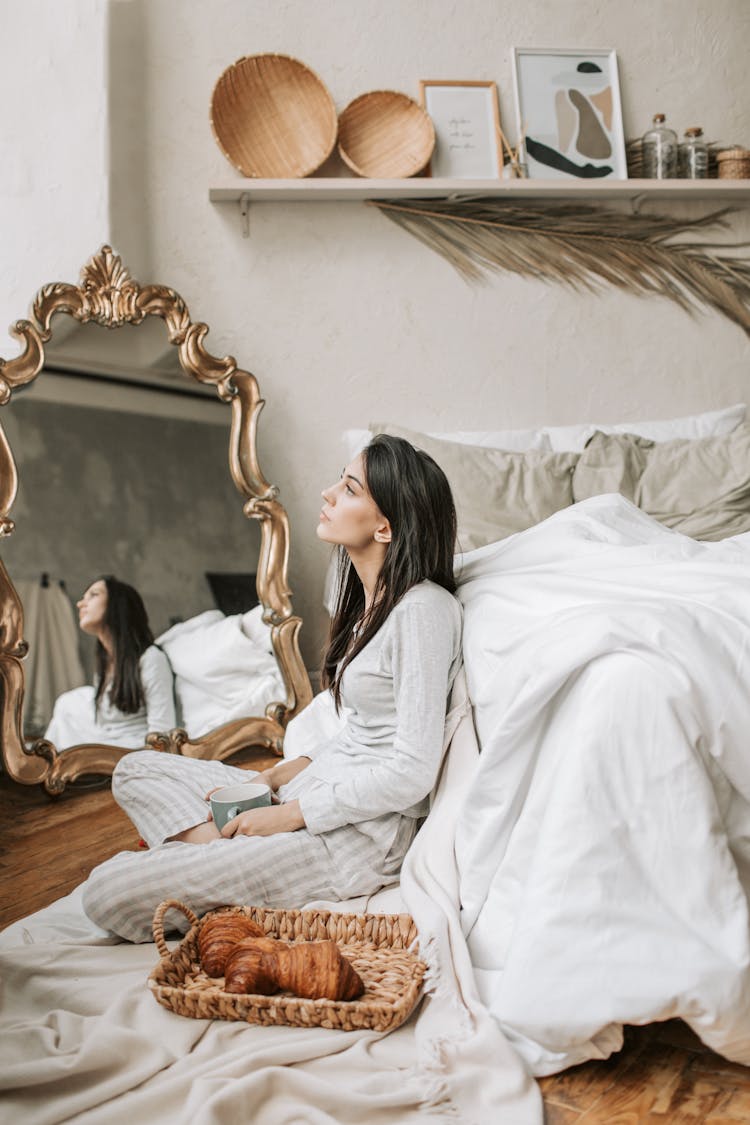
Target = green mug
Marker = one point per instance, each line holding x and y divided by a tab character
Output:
231	800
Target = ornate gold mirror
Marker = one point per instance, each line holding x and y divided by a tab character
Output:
109	297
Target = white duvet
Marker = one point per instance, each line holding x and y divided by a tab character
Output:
603	847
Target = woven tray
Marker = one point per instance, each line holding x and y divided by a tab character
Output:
375	944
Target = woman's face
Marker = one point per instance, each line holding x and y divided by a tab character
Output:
92	607
350	516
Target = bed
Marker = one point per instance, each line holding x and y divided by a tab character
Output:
586	860
224	668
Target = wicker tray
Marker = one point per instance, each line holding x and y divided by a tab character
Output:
377	945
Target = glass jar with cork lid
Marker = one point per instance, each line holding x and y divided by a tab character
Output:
693	155
659	148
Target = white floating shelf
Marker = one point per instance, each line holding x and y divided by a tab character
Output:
323	190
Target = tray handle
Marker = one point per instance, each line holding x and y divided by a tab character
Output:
158	922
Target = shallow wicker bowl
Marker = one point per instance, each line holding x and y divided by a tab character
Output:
273	117
385	134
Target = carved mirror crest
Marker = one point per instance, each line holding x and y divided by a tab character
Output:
108	296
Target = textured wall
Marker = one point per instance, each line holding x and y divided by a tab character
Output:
343	317
54	187
148	499
346	319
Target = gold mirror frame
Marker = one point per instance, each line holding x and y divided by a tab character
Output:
108	296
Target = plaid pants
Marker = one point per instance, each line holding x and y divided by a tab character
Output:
163	794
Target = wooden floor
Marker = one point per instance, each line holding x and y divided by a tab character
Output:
663	1075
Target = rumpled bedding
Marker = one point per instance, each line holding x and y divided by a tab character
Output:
224	668
83	1040
603	848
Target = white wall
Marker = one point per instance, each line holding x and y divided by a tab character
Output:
54	179
343	317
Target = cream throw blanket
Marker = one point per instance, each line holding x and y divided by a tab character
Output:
82	1039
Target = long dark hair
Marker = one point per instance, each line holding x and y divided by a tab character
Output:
127	621
412	492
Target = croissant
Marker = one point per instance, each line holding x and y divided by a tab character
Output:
218	937
252	966
317	971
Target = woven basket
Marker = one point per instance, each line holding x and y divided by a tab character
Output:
273	117
376	945
385	134
734	164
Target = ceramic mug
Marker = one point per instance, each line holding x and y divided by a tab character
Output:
229	802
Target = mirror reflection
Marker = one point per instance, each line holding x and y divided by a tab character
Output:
105	487
153	602
133	690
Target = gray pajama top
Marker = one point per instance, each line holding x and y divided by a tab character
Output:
386	755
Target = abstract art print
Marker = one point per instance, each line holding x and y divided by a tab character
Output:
569	113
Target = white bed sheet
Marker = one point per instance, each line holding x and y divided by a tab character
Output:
605	869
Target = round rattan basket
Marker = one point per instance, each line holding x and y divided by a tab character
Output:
734	164
385	135
273	117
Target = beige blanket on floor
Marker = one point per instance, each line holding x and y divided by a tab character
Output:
82	1039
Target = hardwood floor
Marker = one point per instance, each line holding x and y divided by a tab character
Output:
663	1075
48	845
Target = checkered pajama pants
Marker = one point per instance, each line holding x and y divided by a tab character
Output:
163	794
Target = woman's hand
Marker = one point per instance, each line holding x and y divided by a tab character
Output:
274	778
266	821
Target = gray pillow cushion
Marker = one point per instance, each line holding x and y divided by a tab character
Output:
496	492
701	487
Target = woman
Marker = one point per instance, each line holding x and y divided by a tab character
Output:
133	690
349	804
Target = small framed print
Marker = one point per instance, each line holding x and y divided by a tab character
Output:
568	110
466	117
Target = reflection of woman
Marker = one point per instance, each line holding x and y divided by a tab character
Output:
350	803
133	690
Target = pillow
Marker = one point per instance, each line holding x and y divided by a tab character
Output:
572	439
256	630
220	672
711	424
517	440
701	488
497	492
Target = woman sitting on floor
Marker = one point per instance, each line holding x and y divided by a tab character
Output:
133	692
349	807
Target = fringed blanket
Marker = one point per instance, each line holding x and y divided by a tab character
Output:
83	1040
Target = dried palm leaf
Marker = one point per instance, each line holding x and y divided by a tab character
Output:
583	247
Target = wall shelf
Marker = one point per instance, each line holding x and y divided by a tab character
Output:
340	189
321	189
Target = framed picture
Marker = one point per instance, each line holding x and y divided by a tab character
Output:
568	111
467	122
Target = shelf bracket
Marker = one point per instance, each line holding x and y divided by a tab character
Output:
245	213
636	201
